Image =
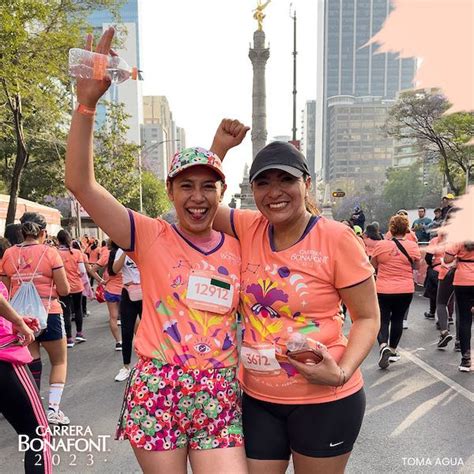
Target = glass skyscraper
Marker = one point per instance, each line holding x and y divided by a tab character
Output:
348	68
129	93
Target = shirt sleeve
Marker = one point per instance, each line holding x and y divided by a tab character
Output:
144	231
453	249
103	259
118	254
243	219
351	264
54	258
414	252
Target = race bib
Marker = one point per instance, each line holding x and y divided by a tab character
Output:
210	292
260	359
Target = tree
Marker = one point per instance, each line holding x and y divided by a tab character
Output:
34	40
418	117
115	159
155	198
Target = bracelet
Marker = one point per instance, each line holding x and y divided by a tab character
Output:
87	111
343	373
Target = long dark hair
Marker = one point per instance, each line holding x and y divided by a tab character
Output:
13	234
65	239
372	233
113	250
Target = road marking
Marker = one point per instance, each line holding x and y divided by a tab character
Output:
438	375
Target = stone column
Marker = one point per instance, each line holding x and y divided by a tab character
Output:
259	56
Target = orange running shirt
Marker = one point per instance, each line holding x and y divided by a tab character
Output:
25	258
464	275
409	236
369	245
71	259
113	283
94	255
190	297
294	291
394	273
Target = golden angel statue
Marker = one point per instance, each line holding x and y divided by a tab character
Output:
258	13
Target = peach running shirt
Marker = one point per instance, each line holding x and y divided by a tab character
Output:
25	258
294	291
190	296
71	259
464	275
409	236
394	273
113	283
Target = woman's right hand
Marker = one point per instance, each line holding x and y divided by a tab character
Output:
89	91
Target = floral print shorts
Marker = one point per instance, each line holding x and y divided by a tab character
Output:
167	407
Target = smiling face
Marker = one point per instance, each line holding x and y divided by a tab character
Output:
279	196
196	193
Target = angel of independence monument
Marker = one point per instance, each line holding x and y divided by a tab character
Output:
258	55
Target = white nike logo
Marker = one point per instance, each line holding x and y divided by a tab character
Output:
331	445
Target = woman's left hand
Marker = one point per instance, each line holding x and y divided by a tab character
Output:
326	372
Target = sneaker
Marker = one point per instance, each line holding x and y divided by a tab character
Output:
450	321
122	375
465	365
80	338
118	346
405	324
119	323
70	342
57	418
429	315
395	357
457	346
88	313
444	339
385	354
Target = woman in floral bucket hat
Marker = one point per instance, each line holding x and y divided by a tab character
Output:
182	395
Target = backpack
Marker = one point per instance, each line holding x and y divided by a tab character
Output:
27	301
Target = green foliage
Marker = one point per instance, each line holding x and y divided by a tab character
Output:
35	90
115	159
418	116
155	198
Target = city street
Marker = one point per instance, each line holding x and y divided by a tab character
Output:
418	419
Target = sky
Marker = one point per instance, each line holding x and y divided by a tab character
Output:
195	52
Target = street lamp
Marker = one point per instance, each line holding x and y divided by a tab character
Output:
144	152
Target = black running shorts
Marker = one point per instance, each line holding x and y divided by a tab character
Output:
272	430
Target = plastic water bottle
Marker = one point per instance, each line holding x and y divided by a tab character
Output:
297	342
85	64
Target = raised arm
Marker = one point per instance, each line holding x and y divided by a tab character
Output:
229	134
105	210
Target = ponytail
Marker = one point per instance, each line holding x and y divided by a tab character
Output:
30	229
311	206
65	239
110	263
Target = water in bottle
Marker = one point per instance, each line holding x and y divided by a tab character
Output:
85	64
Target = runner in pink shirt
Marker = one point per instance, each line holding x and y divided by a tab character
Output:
34	261
464	290
113	289
182	396
73	260
297	269
394	261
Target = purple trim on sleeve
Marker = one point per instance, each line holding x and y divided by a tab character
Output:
132	232
232	223
57	268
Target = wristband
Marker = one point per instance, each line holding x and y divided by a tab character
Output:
87	111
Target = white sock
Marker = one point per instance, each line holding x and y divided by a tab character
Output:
55	394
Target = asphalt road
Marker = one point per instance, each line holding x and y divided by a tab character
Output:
419	415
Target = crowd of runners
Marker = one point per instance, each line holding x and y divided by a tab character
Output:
175	291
